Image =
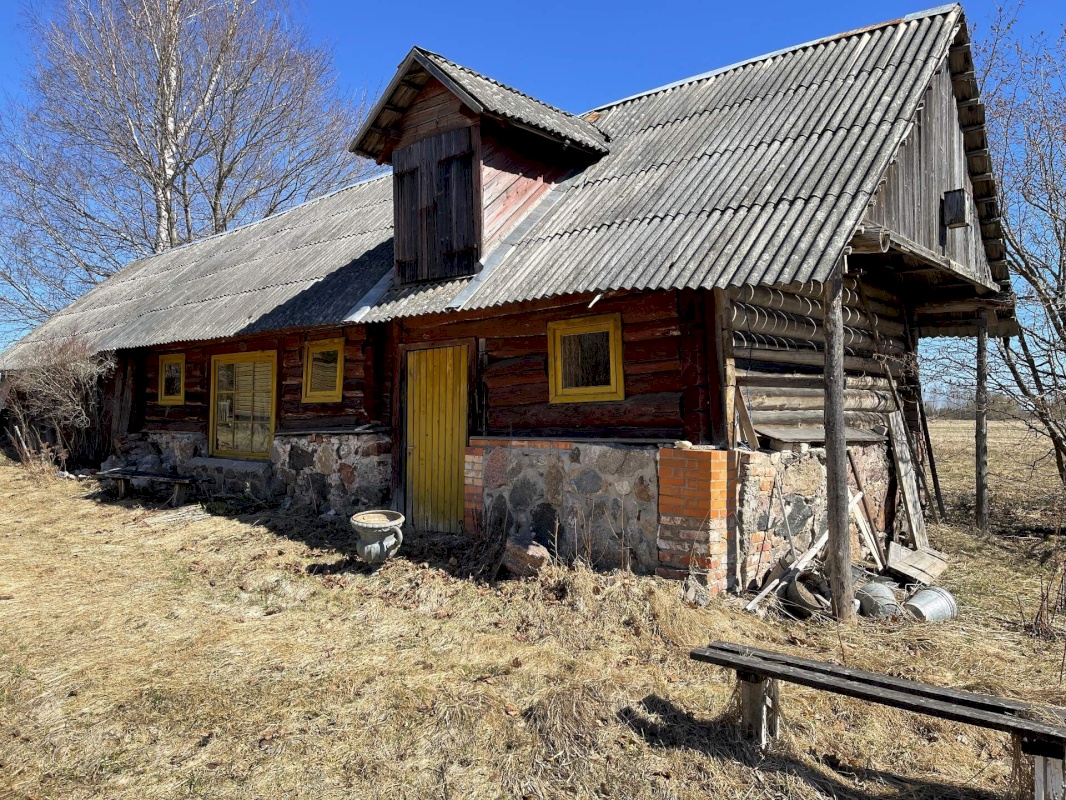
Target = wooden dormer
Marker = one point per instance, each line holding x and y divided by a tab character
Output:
470	158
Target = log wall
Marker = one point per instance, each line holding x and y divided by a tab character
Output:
513	369
292	413
775	345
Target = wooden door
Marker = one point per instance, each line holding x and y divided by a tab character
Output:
436	437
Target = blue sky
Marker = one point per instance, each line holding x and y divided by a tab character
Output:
575	55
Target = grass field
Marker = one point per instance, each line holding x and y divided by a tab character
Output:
147	657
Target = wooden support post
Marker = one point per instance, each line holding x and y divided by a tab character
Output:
981	424
758	708
122	488
836	454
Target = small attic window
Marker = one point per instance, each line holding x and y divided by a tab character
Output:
171	379
323	371
955	208
585	360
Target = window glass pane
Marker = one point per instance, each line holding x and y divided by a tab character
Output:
586	359
324	371
244	376
243	397
262	376
260	438
242	437
172	380
225	377
224	422
261	407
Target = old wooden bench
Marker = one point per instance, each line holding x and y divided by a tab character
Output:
758	672
123	477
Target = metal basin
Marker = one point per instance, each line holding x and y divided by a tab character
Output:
380	534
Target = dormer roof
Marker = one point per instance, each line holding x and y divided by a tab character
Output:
480	94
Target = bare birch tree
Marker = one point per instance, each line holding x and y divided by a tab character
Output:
149	123
1024	87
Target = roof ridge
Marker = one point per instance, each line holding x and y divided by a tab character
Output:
917	15
503	85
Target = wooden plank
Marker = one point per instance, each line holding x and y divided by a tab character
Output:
747	430
906	476
868	536
961	697
1029	730
871	513
923	566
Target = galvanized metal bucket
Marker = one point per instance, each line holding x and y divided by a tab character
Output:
933	604
877	600
380	534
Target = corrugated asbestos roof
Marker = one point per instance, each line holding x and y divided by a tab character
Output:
509	103
307	266
757	173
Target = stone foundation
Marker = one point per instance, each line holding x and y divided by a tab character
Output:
598	502
341	472
157	451
345	473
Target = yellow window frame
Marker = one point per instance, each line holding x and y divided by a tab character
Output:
557	393
240	358
162	398
322	346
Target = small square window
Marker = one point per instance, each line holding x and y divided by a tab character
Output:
172	379
323	371
585	360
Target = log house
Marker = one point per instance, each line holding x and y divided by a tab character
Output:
604	332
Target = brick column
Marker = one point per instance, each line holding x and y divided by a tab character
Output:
697	513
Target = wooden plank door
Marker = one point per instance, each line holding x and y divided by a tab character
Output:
436	437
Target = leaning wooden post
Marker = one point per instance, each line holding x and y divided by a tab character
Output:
836	452
981	422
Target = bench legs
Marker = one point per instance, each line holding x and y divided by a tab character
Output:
758	707
122	488
1047	778
180	495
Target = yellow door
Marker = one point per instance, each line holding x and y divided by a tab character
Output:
436	437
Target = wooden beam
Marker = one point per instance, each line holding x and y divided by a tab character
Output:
836	452
981	424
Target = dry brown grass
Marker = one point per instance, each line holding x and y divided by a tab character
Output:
247	657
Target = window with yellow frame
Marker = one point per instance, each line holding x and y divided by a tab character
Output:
171	379
585	360
323	371
243	392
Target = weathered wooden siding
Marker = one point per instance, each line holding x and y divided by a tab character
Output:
775	351
514	368
292	413
511	184
437	206
932	161
434	111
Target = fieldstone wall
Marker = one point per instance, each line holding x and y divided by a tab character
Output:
345	473
778	487
579	500
157	451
